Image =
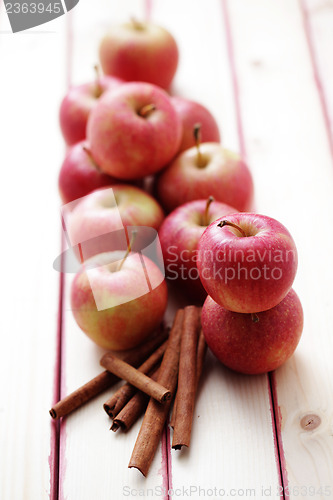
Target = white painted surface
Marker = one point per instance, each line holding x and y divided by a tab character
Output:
232	444
31	84
93	459
318	20
232	417
289	153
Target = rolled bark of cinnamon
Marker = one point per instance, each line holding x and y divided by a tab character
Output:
201	353
105	379
187	378
135	407
83	394
156	414
138	379
121	397
174	412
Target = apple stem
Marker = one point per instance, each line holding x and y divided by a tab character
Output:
89	153
146	110
205	217
129	248
98	87
227	223
87	150
136	24
197	138
254	317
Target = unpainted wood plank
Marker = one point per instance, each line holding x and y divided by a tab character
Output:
287	147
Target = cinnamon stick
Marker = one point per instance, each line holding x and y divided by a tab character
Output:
130	413
105	379
83	394
121	397
156	414
201	352
187	378
135	377
174	412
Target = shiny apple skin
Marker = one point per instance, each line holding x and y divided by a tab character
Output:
125	325
247	274
225	176
192	113
77	105
95	215
179	235
127	145
149	54
79	174
253	347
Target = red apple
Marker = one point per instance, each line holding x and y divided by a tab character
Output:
138	51
179	236
191	113
253	344
77	105
92	220
134	131
247	262
79	174
118	306
211	170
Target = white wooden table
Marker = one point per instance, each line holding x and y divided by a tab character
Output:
265	69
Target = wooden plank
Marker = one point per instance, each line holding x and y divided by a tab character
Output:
94	460
287	147
232	419
318	26
32	82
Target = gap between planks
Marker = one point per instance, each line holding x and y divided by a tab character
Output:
309	35
323	110
229	39
58	443
243	151
58	427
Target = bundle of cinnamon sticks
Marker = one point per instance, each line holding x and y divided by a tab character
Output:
152	373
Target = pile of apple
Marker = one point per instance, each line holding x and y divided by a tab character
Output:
125	128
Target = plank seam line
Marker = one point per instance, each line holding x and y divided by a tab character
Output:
55	478
316	72
168	458
166	443
68	69
55	433
240	130
166	440
148	6
279	448
234	78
